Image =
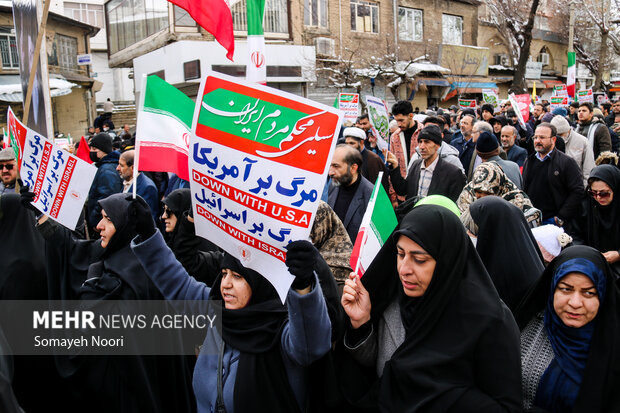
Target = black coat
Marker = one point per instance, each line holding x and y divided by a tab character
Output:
566	185
448	180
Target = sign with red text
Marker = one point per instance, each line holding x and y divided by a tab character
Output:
467	103
258	164
59	180
349	104
558	102
585	95
560	90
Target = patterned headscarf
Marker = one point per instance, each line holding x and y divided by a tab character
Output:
490	178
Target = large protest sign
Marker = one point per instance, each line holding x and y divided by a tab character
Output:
467	103
164	125
59	180
521	106
585	95
379	119
490	96
560	90
558	102
348	103
258	163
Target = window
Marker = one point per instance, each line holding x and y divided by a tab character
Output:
452	29
8	49
364	16
130	21
86	13
67	52
315	13
191	70
410	24
275	19
182	18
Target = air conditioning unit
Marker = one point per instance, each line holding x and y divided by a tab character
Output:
325	46
544	58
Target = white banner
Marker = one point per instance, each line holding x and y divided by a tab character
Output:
258	164
60	180
379	119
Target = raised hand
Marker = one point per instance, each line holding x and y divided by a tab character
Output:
140	216
356	301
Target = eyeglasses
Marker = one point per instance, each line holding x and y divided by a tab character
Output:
168	212
8	166
599	194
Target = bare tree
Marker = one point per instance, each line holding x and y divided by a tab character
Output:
514	20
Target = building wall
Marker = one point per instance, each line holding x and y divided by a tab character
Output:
117	86
70	113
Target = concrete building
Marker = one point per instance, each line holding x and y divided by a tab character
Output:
116	83
72	87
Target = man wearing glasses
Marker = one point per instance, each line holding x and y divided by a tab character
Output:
553	180
8	170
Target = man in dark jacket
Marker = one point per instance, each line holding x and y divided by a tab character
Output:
514	152
553	180
592	128
349	192
107	181
146	187
429	175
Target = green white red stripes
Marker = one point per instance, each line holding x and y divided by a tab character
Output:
257	66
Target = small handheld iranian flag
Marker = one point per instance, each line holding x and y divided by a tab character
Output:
164	127
257	67
571	75
377	225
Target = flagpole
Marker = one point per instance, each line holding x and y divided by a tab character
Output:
137	145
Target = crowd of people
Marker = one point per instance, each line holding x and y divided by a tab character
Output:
497	291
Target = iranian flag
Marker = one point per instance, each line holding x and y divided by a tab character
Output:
377	225
164	127
257	67
571	74
215	17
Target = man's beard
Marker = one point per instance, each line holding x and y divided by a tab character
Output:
344	180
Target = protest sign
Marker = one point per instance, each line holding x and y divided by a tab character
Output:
467	103
348	103
258	163
378	116
585	95
490	96
558	102
560	90
59	180
521	106
165	117
602	99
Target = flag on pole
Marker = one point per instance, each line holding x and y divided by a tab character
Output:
377	225
571	75
215	17
256	67
164	126
534	92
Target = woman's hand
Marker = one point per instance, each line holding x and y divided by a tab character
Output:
356	301
390	159
611	256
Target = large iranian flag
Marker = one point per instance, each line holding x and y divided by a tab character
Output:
257	66
164	127
571	75
377	225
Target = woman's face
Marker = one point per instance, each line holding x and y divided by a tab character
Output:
235	290
601	192
415	267
575	300
169	219
106	229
